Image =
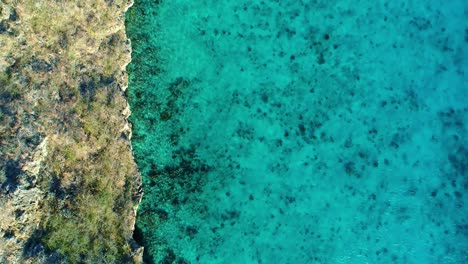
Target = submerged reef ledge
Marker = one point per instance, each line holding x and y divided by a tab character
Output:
69	187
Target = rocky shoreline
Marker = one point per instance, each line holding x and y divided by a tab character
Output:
69	187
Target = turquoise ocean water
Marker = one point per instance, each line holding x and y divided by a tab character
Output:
318	131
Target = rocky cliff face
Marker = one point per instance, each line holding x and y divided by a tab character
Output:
68	184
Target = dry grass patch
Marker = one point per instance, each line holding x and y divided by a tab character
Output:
62	78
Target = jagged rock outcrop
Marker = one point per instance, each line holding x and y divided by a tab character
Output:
69	187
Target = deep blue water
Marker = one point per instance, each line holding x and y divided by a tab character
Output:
318	131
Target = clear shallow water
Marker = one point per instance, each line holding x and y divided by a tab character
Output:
301	131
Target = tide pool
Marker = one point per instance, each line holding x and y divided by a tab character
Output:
300	131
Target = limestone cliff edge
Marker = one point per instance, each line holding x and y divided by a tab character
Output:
69	187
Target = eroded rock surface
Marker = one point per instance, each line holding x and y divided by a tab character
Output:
69	187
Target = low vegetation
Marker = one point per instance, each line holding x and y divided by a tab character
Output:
62	76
